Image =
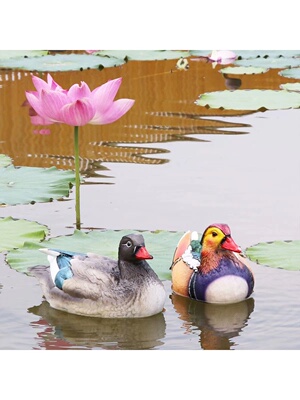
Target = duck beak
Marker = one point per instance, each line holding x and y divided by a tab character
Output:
142	254
229	244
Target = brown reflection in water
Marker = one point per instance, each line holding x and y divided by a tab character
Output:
58	330
164	111
218	324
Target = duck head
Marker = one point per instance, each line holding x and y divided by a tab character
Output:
219	236
132	249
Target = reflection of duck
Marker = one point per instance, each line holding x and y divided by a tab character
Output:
209	269
62	330
218	323
97	286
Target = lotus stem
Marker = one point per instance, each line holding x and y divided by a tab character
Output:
77	177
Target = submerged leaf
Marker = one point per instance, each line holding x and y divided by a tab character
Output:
250	99
278	254
100	242
24	185
14	232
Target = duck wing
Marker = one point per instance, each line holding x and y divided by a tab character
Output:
189	250
93	276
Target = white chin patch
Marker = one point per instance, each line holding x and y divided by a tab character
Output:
227	289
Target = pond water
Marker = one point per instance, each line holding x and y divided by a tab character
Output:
172	165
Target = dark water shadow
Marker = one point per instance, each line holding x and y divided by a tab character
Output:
57	330
218	324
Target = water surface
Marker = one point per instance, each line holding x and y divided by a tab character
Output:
167	164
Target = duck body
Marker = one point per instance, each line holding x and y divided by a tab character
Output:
98	286
211	269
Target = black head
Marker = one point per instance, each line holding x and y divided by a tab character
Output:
132	248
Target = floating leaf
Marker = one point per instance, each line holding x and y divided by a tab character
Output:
24	185
4	160
278	254
250	99
292	87
61	62
291	73
200	53
15	232
267	53
279	62
161	244
143	55
6	54
243	70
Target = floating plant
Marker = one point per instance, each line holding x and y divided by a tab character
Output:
14	233
61	62
250	99
104	242
25	185
277	254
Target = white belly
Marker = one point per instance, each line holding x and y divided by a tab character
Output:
227	289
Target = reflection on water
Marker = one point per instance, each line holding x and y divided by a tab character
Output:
218	324
164	111
59	330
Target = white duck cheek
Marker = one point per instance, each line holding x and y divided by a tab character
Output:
227	289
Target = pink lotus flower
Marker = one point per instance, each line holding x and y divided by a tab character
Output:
222	56
77	106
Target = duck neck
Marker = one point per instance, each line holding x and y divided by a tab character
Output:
210	259
136	271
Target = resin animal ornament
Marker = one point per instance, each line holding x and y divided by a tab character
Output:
98	286
211	269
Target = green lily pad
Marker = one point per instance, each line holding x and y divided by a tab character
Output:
5	160
278	62
278	254
243	70
159	243
61	62
292	87
291	73
267	53
200	53
24	185
250	99
144	55
7	54
15	232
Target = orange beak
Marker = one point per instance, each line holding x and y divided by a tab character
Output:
142	254
229	244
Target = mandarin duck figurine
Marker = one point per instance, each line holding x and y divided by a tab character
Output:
211	269
98	286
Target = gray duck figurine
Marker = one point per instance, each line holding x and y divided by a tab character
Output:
98	286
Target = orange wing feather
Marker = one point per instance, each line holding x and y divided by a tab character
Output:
182	245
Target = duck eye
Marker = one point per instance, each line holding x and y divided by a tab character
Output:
214	234
128	244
